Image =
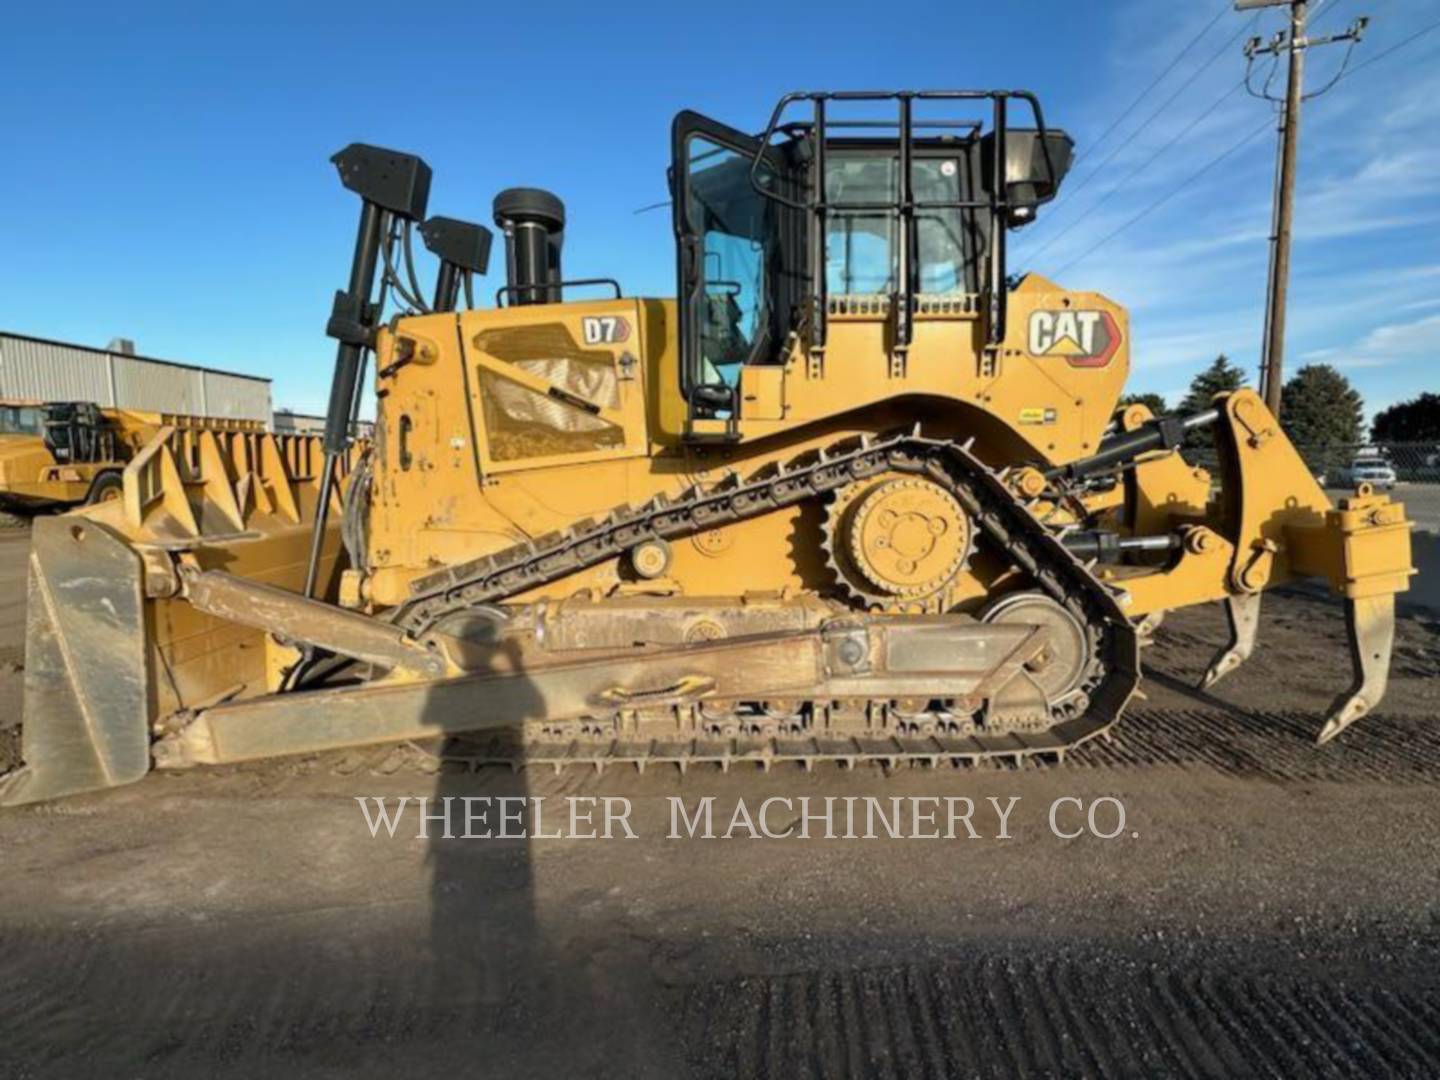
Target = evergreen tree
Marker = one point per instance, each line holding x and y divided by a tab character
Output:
1220	377
1416	420
1154	402
1319	408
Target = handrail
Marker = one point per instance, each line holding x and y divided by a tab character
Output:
505	290
997	200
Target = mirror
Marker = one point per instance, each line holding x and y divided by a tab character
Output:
1029	179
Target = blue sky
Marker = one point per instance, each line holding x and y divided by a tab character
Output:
166	176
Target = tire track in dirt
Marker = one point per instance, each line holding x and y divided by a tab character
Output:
1269	745
77	1004
1067	1016
184	1016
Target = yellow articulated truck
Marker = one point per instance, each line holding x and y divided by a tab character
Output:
849	496
59	454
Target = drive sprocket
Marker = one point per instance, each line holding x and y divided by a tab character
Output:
896	541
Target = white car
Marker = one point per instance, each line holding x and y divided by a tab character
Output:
1373	470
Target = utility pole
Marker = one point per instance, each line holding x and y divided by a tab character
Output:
1294	44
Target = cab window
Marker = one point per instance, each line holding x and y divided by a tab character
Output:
21	420
733	220
862	249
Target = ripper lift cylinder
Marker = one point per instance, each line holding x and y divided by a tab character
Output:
350	324
1109	546
1164	433
389	184
462	248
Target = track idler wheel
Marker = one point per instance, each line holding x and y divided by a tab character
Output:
1060	670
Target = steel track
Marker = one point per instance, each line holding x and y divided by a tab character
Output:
996	512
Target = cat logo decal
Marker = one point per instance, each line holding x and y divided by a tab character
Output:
1083	338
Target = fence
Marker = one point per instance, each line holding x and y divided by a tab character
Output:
1383	464
1411	471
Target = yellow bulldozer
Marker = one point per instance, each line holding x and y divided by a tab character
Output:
56	454
856	494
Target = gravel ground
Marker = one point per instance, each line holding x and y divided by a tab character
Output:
1268	908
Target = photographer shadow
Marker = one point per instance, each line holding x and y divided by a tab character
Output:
516	963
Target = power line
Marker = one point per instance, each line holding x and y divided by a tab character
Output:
1325	7
1165	198
1224	7
1206	114
1340	72
1394	48
1330	6
1164	105
1264	92
1215	161
1279	44
1225	48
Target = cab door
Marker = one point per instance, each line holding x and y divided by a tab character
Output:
737	248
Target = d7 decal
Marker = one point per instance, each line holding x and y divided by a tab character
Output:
604	329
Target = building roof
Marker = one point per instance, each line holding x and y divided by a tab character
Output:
134	356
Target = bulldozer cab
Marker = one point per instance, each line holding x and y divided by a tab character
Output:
809	234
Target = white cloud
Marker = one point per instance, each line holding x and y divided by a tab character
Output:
1396	340
1384	345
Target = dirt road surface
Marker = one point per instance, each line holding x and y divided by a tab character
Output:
1268	908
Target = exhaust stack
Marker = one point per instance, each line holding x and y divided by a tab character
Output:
534	224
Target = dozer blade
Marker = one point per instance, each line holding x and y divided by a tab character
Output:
112	646
1370	624
85	725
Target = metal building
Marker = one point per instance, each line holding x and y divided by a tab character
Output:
37	369
287	421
